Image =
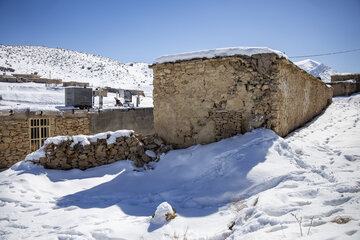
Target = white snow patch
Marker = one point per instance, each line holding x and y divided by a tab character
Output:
220	52
160	214
150	153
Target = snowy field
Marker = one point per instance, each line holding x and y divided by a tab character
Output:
245	187
37	96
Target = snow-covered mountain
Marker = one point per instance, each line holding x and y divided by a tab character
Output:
317	69
75	66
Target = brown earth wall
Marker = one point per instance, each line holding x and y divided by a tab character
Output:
205	100
202	101
344	88
298	99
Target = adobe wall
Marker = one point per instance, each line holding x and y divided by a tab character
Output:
202	101
344	77
299	97
205	100
345	88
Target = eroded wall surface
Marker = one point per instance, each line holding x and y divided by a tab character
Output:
205	100
298	99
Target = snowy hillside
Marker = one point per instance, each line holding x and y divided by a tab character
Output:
75	66
317	69
245	187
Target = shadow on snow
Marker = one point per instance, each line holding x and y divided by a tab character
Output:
196	181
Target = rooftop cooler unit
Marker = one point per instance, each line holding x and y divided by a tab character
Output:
78	97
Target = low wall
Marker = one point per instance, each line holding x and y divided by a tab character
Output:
15	131
140	120
345	88
82	152
298	99
14	127
344	77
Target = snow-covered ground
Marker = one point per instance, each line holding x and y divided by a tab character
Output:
35	96
69	66
254	184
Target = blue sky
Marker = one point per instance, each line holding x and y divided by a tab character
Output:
131	30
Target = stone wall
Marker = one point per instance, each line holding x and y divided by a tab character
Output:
14	127
13	148
205	100
67	152
15	136
345	88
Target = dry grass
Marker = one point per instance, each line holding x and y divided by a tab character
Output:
341	220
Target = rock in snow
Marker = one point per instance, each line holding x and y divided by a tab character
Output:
164	212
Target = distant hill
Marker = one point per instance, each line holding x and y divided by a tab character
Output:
317	69
75	66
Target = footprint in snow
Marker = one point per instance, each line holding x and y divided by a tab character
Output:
352	158
352	232
19	226
337	202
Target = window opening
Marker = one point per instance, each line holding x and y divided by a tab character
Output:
39	131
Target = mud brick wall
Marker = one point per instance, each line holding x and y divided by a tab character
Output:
299	97
205	100
344	77
345	88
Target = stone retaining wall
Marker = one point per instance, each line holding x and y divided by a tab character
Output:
205	100
67	152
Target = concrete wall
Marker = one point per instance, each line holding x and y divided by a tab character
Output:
345	88
140	120
205	100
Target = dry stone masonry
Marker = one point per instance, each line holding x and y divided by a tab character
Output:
15	127
202	98
83	152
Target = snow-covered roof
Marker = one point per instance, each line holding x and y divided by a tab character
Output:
219	52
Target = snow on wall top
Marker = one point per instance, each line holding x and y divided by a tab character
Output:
220	52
